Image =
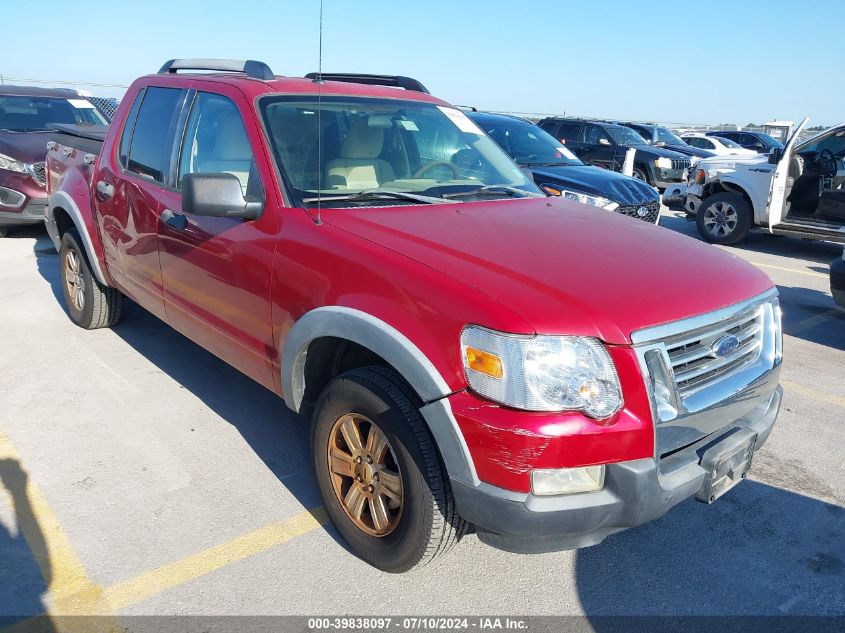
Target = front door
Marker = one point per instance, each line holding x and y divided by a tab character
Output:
217	271
777	190
599	149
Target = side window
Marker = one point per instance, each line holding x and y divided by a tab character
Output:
151	143
707	144
568	131
216	142
549	126
593	134
129	128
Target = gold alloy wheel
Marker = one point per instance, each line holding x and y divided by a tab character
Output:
365	475
74	280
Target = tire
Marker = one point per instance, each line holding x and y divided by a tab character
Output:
724	218
639	174
425	524
89	303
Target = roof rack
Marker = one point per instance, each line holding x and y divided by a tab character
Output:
467	108
396	81
250	67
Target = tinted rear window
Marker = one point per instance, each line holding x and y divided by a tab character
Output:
149	151
568	131
30	114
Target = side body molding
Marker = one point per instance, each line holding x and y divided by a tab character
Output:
63	200
393	346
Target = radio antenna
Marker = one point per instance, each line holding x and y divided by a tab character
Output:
319	81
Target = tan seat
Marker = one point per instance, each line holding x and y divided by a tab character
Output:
359	166
231	152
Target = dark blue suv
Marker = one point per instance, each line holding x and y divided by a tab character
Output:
560	173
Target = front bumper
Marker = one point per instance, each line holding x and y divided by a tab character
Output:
33	212
837	280
663	178
635	492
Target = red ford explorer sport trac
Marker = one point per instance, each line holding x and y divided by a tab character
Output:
467	351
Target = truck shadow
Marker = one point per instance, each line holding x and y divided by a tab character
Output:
758	550
812	315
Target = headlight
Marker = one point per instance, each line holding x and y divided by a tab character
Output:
10	164
542	373
663	163
583	198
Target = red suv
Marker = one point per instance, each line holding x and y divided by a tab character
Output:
26	117
466	350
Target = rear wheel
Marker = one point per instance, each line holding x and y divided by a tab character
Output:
379	473
90	304
724	218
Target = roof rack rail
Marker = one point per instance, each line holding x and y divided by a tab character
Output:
250	67
467	108
397	81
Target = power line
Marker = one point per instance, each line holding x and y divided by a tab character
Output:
63	83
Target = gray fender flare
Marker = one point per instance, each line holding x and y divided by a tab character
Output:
393	346
63	200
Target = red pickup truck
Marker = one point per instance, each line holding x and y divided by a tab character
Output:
469	352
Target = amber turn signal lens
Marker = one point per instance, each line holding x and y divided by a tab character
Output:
699	177
484	362
551	190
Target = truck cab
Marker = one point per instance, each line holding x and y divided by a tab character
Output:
798	191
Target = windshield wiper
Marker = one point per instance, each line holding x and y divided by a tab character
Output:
377	194
494	190
554	163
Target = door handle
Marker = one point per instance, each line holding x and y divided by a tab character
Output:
175	220
104	190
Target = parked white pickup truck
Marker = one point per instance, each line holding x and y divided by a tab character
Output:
799	190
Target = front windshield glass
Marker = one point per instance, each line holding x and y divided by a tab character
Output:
625	136
527	144
729	143
835	143
667	136
768	140
34	114
347	145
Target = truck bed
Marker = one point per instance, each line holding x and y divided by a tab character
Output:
86	138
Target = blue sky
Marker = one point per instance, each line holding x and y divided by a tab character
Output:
709	61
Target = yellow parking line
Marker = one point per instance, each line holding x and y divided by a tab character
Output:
813	393
812	321
811	273
213	558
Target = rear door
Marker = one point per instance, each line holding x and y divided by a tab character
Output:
777	191
128	194
217	271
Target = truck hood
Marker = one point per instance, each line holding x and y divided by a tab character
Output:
734	161
598	182
658	151
563	267
28	147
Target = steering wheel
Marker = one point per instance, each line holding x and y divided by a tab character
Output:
828	163
437	163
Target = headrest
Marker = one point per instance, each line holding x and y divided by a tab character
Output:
230	142
362	141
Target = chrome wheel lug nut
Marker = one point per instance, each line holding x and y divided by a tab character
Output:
370	488
358	459
369	459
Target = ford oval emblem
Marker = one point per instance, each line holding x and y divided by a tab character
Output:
642	212
724	346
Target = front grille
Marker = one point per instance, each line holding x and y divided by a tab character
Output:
695	364
651	213
39	172
680	163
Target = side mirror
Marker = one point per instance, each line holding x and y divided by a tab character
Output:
758	147
604	141
217	196
659	143
775	155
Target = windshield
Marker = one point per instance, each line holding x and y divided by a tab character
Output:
34	114
346	145
728	142
834	142
662	134
527	144
625	136
769	141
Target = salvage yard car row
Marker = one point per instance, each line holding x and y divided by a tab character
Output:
474	349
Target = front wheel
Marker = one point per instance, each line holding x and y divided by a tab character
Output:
639	174
90	304
379	473
724	218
